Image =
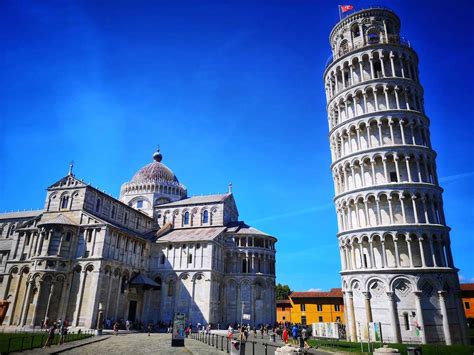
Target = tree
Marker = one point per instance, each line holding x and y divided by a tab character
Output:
282	292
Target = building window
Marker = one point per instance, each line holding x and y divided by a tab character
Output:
337	307
140	204
283	309
303	307
320	319
68	236
113	211
355	31
283	317
97	205
338	319
162	259
393	176
171	288
89	235
205	217
138	223
373	36
303	320
190	259
125	218
320	307
186	218
64	202
198	246
406	321
244	266
467	305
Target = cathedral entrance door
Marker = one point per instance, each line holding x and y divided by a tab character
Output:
132	311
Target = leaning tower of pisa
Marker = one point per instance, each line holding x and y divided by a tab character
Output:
397	267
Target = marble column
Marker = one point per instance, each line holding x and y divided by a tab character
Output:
353	331
419	316
444	315
393	317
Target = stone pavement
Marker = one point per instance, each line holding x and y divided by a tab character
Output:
141	343
133	343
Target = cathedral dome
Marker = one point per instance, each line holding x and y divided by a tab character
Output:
155	171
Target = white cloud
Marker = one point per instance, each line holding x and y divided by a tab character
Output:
456	177
314	290
289	214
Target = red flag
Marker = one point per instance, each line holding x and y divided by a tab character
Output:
345	8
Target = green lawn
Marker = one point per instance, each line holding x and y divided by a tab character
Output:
10	342
427	349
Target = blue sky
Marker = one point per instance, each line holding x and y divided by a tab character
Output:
233	92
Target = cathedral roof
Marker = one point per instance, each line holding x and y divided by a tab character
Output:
243	228
197	200
58	219
192	234
20	214
155	171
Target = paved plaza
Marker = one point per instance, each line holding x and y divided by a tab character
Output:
141	343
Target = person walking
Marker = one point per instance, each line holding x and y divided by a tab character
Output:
62	332
294	333
50	338
285	335
116	328
304	336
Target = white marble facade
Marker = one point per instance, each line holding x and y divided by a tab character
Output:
397	267
145	256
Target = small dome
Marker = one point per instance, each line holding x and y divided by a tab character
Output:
154	171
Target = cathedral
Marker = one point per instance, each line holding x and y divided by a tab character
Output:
144	257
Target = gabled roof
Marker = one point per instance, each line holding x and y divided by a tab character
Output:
242	228
191	235
143	280
467	287
198	200
57	219
333	293
68	181
20	214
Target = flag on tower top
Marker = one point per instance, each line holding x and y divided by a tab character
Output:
345	8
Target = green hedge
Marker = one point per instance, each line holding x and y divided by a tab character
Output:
10	342
427	349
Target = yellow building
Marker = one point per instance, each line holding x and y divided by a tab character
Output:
467	295
313	307
283	311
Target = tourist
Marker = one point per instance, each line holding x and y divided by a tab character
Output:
116	328
304	336
285	335
50	338
62	332
149	328
246	333
128	324
230	332
294	333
